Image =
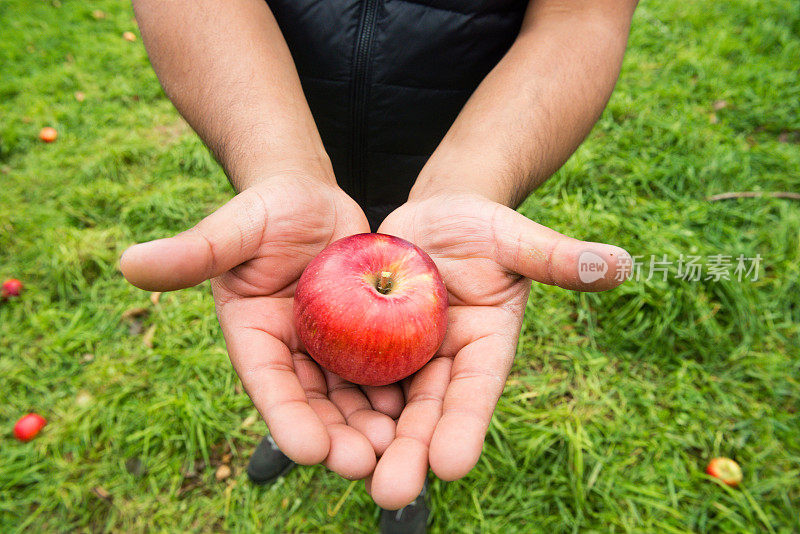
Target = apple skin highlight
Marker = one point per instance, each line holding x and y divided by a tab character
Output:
351	328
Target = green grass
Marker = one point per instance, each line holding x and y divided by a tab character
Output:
616	401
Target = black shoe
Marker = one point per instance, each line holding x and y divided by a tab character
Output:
268	463
413	519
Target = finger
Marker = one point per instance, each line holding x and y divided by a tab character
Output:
400	473
377	427
229	236
386	399
544	255
351	454
477	379
264	364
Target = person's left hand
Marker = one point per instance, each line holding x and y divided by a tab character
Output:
486	253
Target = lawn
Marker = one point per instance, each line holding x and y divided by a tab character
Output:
616	403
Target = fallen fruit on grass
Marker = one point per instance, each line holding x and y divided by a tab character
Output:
28	426
371	308
48	134
11	288
223	472
726	470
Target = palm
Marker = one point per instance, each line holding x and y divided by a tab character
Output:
482	250
460	236
255	249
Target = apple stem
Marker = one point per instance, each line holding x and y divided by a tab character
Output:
384	282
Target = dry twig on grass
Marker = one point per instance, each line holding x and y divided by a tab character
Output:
754	194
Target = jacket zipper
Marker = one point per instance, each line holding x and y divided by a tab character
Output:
360	93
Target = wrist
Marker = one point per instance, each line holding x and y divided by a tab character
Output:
315	168
430	185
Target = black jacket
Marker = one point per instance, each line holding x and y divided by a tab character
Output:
385	79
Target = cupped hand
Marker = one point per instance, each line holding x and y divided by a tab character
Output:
254	250
487	255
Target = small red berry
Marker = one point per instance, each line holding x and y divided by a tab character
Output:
726	470
11	288
28	426
48	134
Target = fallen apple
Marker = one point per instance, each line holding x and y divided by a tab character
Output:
726	470
28	426
371	308
48	134
11	288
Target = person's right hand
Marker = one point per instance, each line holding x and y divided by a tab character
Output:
254	250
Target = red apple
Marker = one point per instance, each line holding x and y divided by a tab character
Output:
48	134
371	308
11	288
726	470
28	426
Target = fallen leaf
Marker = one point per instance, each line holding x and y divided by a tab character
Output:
226	458
147	339
223	472
135	328
101	492
98	14
134	317
720	104
129	36
155	296
132	313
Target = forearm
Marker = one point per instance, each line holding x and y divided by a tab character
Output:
227	69
536	106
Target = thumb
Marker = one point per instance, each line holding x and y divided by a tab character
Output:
544	255
229	236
